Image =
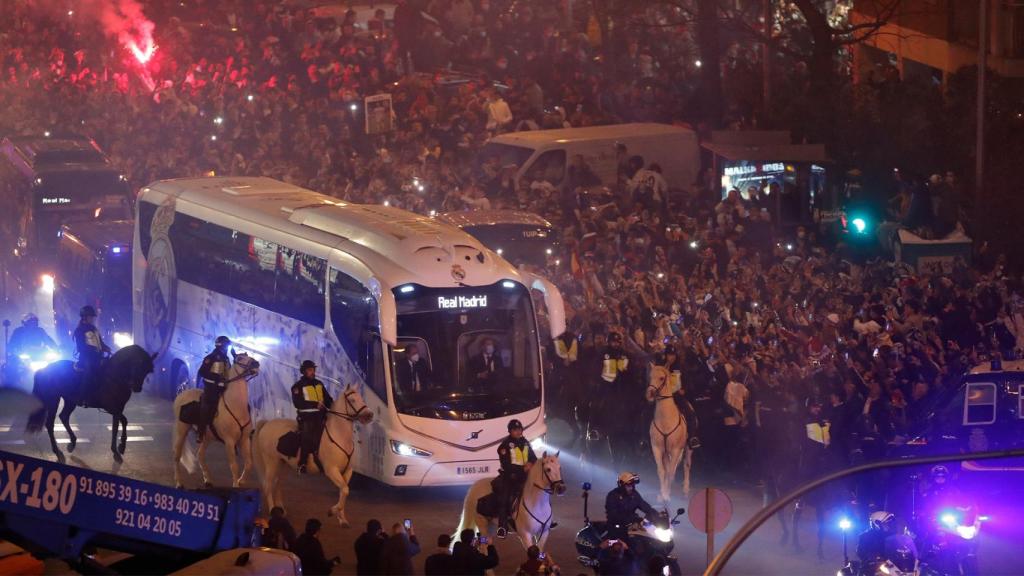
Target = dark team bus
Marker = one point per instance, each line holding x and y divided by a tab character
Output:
517	236
46	182
94	266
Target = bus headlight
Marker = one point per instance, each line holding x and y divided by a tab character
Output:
47	282
403	449
537	443
122	339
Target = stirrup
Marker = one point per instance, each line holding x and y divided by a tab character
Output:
694	442
302	469
501	533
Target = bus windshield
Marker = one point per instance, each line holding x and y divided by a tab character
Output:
466	353
517	243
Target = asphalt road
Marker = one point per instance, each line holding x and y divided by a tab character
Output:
433	510
436	510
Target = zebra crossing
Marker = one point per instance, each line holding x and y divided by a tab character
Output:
14	435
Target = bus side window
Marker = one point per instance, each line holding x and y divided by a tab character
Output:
549	166
980	404
147	211
373	362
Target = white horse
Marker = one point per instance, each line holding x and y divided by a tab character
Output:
232	425
668	433
337	447
533	514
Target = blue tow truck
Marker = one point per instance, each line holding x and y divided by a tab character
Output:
59	511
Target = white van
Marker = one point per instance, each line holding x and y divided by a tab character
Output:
546	154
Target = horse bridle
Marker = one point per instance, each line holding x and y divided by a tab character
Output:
544	524
248	374
348	404
657	390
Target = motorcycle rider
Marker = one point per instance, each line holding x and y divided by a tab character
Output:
311	401
871	542
621	504
670	359
90	350
213	373
517	457
29	338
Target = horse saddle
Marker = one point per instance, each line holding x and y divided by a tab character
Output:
289	443
189	413
489	506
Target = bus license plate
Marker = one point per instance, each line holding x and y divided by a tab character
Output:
460	470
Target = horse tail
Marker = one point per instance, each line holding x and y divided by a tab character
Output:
257	455
39	390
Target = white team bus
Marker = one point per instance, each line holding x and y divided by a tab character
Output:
289	274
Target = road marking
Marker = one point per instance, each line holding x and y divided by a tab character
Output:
68	440
5	428
140	438
12	442
131	428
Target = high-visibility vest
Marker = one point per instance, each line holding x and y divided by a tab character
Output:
565	353
612	366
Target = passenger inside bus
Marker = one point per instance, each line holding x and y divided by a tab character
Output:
412	369
486	367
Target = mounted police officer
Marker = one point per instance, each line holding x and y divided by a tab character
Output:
669	358
621	504
213	374
311	401
517	457
29	338
89	348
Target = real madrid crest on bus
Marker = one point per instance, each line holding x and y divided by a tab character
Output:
458	273
159	292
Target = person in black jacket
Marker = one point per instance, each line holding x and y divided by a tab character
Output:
398	550
468	560
279	532
516	457
311	552
90	349
213	373
368	547
621	504
487	367
311	401
413	373
440	563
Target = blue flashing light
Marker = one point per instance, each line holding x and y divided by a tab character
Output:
508	284
116	249
407	288
948	519
845	524
859	224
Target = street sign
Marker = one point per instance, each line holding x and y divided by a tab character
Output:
710	518
39	495
717	517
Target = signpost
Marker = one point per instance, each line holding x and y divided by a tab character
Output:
710	518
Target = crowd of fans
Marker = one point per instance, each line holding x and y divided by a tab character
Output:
768	324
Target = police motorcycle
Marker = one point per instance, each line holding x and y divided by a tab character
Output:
883	550
949	543
20	366
646	537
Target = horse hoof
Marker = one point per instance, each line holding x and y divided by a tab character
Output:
118	458
71	445
60	457
179	486
207	484
121	448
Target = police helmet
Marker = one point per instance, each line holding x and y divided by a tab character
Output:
222	341
514	425
939	473
30	319
629	478
307	364
87	311
881	519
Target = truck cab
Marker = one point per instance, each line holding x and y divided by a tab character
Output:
94	266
